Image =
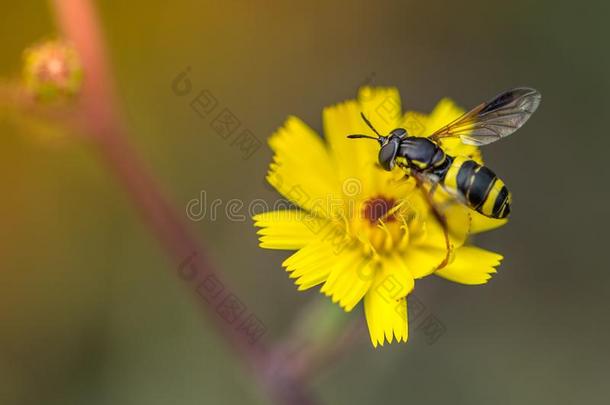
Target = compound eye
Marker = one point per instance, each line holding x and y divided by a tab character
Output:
400	132
387	154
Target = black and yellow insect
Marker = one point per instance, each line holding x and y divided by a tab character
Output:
472	184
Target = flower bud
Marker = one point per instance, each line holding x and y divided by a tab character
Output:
52	71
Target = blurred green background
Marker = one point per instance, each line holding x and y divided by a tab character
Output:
90	310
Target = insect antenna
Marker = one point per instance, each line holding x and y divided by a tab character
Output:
380	138
357	136
369	124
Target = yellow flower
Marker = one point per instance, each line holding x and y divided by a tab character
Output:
362	232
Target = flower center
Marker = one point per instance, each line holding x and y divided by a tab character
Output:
386	224
377	208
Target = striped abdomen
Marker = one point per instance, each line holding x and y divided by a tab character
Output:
483	190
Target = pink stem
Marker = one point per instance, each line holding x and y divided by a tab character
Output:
79	23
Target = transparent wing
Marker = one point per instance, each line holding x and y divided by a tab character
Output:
493	120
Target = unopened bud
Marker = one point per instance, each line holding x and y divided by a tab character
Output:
52	71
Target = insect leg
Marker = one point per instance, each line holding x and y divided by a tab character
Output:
428	195
442	220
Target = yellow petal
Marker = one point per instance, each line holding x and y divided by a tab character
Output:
358	158
437	247
350	278
302	169
311	265
423	261
382	107
385	303
472	265
416	123
442	114
354	157
481	223
288	229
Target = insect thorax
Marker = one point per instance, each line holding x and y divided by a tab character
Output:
421	153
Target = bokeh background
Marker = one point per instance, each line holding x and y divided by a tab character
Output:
91	311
